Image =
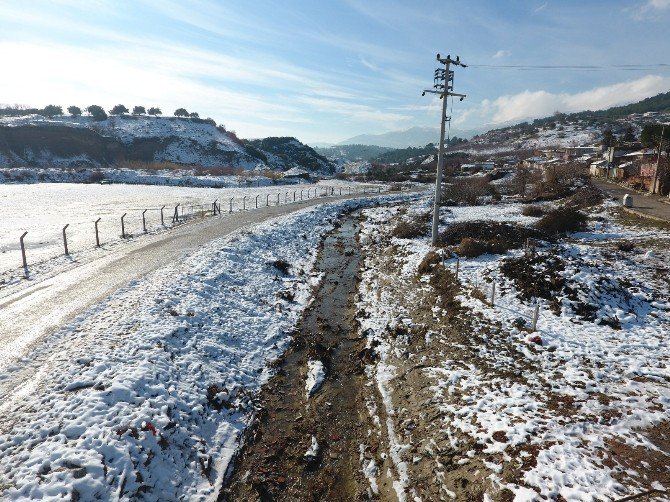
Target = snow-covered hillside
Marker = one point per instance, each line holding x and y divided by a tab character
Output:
66	141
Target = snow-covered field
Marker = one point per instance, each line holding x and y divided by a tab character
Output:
151	405
44	209
572	411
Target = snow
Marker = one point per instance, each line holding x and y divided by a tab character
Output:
44	209
316	374
616	379
313	451
146	394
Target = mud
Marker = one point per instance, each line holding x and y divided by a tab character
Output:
272	464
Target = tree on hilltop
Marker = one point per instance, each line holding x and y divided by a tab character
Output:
52	110
139	110
97	112
180	112
118	110
194	115
75	111
155	111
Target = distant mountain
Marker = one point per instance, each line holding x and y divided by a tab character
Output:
415	136
352	153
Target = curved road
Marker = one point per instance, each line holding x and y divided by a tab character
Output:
31	311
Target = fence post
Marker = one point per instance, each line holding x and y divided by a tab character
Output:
144	221
214	207
267	200
97	237
244	203
67	253
162	220
493	293
257	201
231	205
301	194
536	314
278	194
23	255
340	190
349	190
294	191
123	227
175	216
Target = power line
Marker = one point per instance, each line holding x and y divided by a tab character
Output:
624	67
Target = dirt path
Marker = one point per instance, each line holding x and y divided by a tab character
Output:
272	464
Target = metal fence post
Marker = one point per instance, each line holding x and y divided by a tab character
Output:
175	216
214	207
257	201
294	191
267	200
162	220
301	194
493	293
231	204
244	203
23	255
278	194
536	314
65	240
144	221
123	227
97	236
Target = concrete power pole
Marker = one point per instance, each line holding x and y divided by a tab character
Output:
444	85
654	180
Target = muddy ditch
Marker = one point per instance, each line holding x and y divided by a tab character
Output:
304	447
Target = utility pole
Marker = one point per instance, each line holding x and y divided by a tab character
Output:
443	85
658	161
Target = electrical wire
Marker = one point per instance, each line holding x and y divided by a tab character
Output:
624	67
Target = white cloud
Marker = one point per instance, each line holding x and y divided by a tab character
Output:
533	104
502	54
659	4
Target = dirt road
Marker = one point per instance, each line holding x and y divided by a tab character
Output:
34	309
646	204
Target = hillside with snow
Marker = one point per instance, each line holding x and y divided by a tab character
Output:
65	141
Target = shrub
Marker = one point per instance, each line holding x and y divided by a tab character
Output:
534	211
139	110
52	110
562	220
429	261
180	112
75	111
118	110
154	111
466	190
412	228
471	248
97	112
585	197
444	282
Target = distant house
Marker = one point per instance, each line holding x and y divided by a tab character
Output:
598	168
296	175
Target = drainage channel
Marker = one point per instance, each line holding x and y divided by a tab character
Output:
333	422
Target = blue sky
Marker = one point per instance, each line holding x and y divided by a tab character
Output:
326	70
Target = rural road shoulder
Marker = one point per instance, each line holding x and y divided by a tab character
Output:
644	204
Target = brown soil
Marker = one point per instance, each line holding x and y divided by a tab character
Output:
272	463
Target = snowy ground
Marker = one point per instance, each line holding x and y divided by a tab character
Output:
151	405
570	412
44	209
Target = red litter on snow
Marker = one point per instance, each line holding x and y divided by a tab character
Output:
535	339
149	426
